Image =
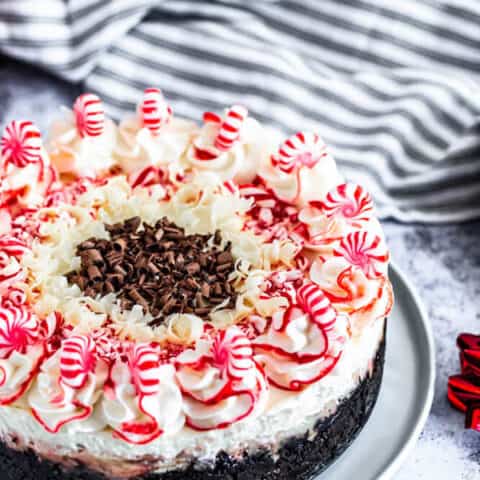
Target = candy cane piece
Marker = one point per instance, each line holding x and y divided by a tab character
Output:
21	144
230	128
89	115
366	251
313	301
232	353
302	149
154	110
77	361
144	364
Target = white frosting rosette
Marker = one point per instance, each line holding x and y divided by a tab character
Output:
354	277
301	170
68	386
143	400
74	151
236	159
138	147
303	342
344	209
221	382
20	351
25	171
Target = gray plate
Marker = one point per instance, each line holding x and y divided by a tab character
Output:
405	397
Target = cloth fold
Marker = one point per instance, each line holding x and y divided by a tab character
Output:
392	87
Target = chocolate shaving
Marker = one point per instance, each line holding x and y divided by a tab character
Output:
157	267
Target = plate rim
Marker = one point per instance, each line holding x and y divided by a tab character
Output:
394	466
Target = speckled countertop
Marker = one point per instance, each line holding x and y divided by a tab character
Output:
443	262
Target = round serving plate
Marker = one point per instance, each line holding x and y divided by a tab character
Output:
405	397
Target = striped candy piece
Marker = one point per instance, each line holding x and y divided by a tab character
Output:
313	301
230	128
261	196
77	360
366	251
89	115
18	329
232	353
12	246
154	110
146	177
302	149
349	201
144	362
15	297
21	144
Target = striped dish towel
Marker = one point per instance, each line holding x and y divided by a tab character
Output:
393	87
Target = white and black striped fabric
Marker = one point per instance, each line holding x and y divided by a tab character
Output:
392	86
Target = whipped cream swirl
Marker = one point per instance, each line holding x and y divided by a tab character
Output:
77	154
221	382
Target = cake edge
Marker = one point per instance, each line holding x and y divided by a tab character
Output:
300	457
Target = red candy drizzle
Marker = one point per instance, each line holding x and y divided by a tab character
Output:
464	389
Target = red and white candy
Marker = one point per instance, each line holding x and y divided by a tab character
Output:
12	246
313	301
366	251
18	330
231	128
77	361
15	297
302	149
154	111
89	115
232	353
349	201
21	144
144	362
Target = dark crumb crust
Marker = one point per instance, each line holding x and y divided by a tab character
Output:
300	458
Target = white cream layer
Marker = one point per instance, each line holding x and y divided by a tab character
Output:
288	414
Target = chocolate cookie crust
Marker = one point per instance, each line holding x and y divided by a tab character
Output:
300	458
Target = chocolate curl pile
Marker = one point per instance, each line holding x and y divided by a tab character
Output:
464	389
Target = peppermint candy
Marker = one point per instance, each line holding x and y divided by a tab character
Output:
89	115
366	251
232	353
18	330
261	197
144	362
21	144
230	128
349	201
302	149
12	246
15	297
313	301
77	361
154	110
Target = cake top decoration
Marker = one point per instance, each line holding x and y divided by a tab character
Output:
157	275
